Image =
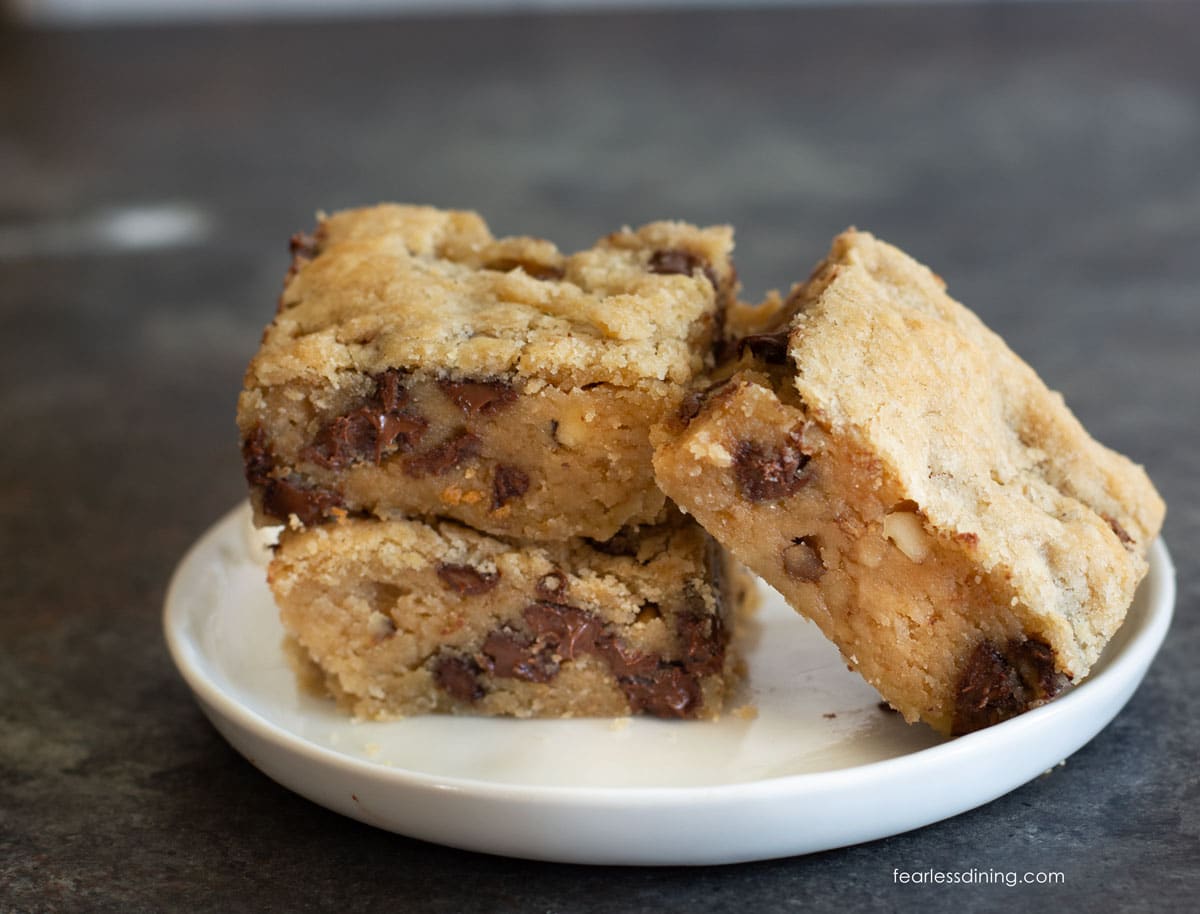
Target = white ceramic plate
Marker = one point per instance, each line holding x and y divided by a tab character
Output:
820	766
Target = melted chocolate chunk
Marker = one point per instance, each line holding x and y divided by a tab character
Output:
571	630
287	495
651	684
379	426
675	260
768	475
802	559
458	677
669	691
508	483
343	441
467	580
446	456
997	683
1034	662
703	639
362	434
626	662
390	392
256	459
479	398
535	269
771	348
512	655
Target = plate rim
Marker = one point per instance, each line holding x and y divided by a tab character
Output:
1139	651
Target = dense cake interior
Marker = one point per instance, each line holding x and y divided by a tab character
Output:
404	617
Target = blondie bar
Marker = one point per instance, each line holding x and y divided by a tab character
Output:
909	484
401	617
419	365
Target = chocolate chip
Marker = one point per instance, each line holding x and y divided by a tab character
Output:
390	392
999	683
669	691
457	676
702	639
380	425
649	683
1034	662
362	434
514	656
552	587
535	269
284	497
802	559
627	662
467	580
771	348
399	430
676	260
446	456
764	474
256	459
343	441
287	495
573	631
476	398
508	483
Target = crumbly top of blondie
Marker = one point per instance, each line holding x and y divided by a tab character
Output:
988	454
424	289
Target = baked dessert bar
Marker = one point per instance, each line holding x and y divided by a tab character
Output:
399	617
909	484
419	365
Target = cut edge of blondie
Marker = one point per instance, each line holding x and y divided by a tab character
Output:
401	617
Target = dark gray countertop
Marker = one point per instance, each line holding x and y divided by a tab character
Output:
1045	159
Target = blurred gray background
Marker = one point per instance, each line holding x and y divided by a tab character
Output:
1042	157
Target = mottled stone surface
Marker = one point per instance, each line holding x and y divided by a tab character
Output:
1044	158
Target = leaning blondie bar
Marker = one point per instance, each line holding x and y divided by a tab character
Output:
419	365
399	617
909	484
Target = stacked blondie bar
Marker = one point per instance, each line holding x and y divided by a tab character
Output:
454	432
470	443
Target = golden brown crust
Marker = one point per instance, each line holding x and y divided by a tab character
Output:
973	436
418	364
909	484
407	287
